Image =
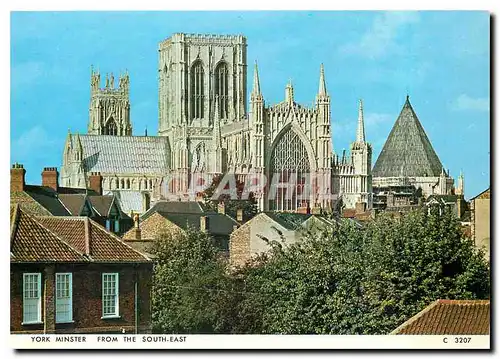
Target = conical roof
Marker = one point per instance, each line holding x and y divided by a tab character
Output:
407	151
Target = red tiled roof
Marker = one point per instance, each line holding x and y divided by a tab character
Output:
450	317
31	242
63	239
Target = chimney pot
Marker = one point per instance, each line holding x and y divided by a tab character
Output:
204	223
239	215
221	207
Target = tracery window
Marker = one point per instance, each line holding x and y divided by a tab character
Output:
111	128
221	88
197	90
289	162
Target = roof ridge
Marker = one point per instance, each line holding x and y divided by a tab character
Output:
464	301
55	234
114	236
415	317
14	224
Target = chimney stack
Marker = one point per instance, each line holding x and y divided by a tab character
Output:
137	230
95	182
17	178
87	235
239	215
221	208
204	223
50	178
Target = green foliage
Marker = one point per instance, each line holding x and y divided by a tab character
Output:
345	279
188	276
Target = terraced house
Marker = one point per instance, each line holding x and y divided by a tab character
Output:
71	275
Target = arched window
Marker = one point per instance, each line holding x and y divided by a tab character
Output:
128	183
197	90
221	88
150	184
111	128
289	160
122	183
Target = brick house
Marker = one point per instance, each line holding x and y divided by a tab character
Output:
52	199
449	317
174	216
285	228
70	275
480	220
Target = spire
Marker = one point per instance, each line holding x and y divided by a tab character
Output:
460	185
407	146
256	82
360	135
289	92
216	136
322	83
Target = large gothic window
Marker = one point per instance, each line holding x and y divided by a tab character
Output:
221	88
110	128
197	90
289	166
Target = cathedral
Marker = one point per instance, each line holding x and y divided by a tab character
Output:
207	127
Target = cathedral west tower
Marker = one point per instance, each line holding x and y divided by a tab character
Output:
109	111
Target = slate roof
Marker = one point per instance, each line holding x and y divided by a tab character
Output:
101	204
48	199
174	207
444	198
73	202
450	317
130	201
66	239
218	224
124	154
289	221
407	151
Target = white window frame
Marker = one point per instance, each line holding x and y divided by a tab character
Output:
116	313
60	301
37	300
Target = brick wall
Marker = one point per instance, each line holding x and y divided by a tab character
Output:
239	246
87	298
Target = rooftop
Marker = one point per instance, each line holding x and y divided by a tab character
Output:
449	317
65	239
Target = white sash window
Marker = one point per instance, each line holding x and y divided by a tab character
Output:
64	297
32	299
110	295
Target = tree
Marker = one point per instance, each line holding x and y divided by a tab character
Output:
352	280
188	278
345	279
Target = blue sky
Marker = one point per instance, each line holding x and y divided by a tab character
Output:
441	59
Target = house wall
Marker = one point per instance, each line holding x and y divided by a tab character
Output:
247	240
481	222
87	298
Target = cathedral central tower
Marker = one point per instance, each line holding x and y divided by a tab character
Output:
193	71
